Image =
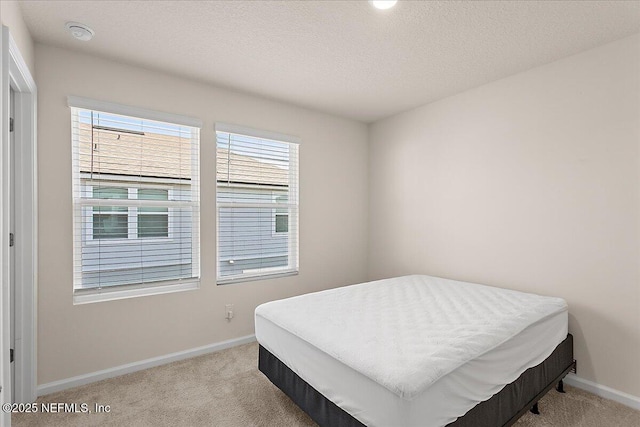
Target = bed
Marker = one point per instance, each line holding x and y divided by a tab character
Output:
415	351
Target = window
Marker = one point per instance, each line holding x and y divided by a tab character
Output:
136	201
110	222
129	223
282	223
257	204
280	216
153	222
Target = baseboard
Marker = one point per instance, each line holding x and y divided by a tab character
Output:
603	391
54	386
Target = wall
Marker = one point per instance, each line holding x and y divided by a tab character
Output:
532	183
12	18
74	340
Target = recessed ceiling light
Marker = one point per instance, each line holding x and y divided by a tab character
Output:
383	4
80	31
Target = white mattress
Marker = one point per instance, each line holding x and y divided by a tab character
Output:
411	351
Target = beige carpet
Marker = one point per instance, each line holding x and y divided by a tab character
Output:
226	389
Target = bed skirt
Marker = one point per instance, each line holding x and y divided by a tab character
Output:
502	409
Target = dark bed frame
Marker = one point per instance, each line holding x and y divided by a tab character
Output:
502	409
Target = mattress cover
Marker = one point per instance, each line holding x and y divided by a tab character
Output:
442	403
406	333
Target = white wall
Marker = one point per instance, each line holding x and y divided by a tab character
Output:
11	16
74	340
533	183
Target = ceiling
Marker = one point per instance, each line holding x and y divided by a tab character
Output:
341	57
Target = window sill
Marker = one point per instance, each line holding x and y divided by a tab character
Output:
88	296
253	278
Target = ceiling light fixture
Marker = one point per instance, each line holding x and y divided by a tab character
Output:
80	31
383	4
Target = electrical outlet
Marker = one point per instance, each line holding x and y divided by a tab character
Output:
228	312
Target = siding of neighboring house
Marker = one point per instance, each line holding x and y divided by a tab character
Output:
105	159
259	246
111	262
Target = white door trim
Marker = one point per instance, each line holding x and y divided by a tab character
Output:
15	74
5	317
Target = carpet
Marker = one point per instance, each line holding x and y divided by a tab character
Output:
225	389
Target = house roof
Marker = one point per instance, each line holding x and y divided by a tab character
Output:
121	153
166	156
248	170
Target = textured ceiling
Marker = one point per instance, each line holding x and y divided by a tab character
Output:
342	57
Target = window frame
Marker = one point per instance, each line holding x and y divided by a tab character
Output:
293	251
115	292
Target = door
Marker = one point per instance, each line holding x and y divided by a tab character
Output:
12	228
18	216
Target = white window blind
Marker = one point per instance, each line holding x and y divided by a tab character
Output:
257	204
136	209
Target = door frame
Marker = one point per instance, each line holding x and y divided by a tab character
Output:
16	75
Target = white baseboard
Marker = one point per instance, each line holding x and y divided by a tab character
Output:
603	391
138	366
52	387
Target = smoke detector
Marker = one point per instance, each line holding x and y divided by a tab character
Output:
80	31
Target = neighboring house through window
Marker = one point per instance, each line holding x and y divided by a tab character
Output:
136	201
257	204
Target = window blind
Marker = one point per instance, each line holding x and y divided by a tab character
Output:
257	206
136	211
